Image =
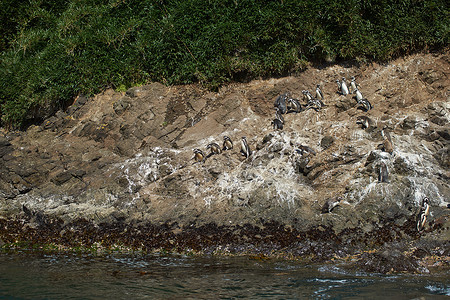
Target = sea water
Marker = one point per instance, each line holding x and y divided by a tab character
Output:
34	275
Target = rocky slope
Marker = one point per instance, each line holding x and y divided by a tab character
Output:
118	169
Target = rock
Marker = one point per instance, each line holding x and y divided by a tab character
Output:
430	76
134	92
344	104
443	157
78	173
441	121
61	177
120	170
121	105
326	142
5	148
276	147
401	167
388	261
4	142
444	134
409	123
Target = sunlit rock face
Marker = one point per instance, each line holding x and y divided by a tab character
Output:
128	157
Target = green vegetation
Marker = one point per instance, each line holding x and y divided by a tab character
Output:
53	50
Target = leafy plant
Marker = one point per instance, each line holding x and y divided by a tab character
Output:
53	50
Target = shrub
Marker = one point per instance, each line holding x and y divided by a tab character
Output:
53	50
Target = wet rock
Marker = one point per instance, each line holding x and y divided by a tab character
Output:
388	261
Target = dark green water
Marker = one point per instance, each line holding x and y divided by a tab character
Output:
43	276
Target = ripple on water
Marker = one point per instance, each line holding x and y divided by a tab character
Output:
25	276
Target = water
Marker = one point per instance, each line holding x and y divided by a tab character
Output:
44	276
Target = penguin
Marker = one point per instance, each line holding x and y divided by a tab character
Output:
339	86
199	156
424	211
319	94
359	96
353	85
294	105
280	102
279	116
277	124
330	204
344	88
305	149
215	148
365	122
245	149
314	104
385	133
383	173
387	146
227	143
307	95
365	104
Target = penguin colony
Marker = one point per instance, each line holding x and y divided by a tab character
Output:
285	104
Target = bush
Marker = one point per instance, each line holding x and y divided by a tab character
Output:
52	52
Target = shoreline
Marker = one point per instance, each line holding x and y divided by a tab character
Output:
397	256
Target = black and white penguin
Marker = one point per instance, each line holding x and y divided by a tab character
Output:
279	116
330	204
387	145
353	85
365	122
215	148
294	105
314	104
359	96
280	102
277	124
199	156
245	149
424	211
339	86
227	143
307	95
365	104
319	94
383	175
385	133
344	88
